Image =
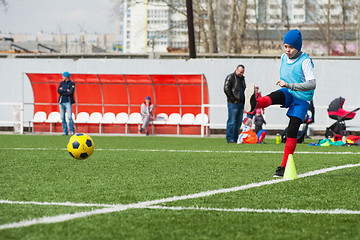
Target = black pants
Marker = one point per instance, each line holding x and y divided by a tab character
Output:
258	128
278	98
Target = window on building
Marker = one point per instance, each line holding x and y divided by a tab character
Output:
335	17
274	16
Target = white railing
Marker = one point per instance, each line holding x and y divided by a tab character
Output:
322	121
321	118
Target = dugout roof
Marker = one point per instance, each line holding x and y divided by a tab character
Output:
117	93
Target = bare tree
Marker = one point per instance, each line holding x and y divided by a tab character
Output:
241	24
286	15
231	26
319	15
200	22
347	7
173	7
344	9
328	41
257	27
213	47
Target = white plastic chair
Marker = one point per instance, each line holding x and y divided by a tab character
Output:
82	117
54	117
174	119
108	118
121	118
161	119
39	117
95	117
135	118
187	119
199	120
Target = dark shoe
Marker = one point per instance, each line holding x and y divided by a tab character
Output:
64	134
230	141
250	101
147	133
141	130
279	171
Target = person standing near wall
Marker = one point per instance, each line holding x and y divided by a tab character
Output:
146	112
66	100
234	88
258	120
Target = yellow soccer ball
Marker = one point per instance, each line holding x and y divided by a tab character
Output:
80	146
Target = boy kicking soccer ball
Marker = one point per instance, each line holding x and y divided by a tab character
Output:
297	82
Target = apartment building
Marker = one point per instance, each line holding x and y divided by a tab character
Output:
152	25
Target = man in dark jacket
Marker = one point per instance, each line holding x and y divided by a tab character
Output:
66	99
234	88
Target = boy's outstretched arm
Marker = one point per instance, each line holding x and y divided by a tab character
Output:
305	86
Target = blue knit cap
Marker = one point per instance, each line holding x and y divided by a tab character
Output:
148	98
66	74
294	39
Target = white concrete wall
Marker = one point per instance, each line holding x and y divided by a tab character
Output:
335	78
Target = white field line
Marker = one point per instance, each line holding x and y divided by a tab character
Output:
282	210
183	151
118	208
66	204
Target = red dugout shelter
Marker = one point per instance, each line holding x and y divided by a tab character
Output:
118	93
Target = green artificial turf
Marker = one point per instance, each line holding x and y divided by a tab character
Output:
128	170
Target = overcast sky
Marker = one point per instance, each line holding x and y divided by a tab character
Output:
33	16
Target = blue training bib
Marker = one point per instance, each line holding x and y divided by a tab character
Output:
292	73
